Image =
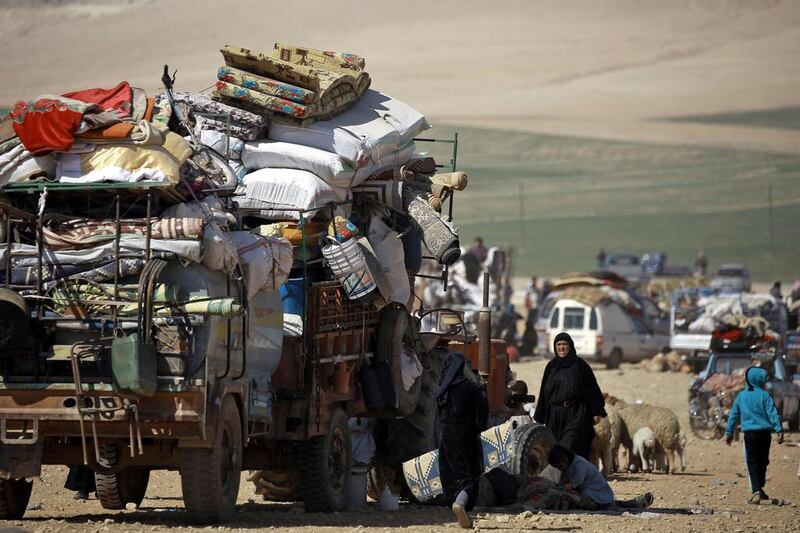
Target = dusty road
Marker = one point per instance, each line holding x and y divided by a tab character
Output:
714	480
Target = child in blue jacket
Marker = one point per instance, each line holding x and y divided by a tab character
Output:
759	416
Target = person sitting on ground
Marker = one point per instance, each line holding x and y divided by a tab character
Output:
581	476
756	409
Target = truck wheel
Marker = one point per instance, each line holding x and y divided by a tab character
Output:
395	336
531	447
614	358
401	439
325	463
126	486
276	486
14	497
210	476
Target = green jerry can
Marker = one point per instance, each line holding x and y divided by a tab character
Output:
133	365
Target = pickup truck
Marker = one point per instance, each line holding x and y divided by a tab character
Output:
709	407
695	313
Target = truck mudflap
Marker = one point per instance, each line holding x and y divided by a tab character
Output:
18	461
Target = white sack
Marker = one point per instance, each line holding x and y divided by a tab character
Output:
389	251
219	250
376	125
278	190
265	261
327	165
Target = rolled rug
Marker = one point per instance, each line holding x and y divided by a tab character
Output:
454	180
439	236
434	194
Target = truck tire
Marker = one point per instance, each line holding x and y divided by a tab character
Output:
614	359
129	485
276	486
210	476
402	439
395	336
325	463
14	497
531	448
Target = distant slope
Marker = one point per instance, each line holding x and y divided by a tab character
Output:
781	117
560	199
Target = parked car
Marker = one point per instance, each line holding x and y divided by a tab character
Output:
732	277
604	332
709	409
626	265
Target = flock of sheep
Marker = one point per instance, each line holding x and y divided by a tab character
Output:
650	435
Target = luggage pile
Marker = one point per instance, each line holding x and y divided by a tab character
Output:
293	167
331	165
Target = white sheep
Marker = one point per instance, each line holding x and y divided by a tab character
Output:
644	448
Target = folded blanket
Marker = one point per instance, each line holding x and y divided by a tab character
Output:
119	98
50	122
167	158
244	124
23	255
80	233
264	85
335	87
258	102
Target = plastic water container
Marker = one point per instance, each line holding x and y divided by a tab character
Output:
349	266
389	501
293	296
357	488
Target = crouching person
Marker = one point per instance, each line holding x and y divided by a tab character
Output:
582	477
463	413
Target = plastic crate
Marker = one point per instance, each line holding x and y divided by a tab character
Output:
330	309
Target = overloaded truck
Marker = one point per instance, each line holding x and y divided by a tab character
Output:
122	349
209	390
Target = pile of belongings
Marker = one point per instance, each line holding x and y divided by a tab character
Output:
595	295
89	138
717	383
739	333
331	165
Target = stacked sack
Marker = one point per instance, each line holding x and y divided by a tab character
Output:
316	147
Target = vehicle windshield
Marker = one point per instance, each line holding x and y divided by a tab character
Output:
732	365
730	272
623	261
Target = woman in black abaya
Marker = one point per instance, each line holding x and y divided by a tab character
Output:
570	401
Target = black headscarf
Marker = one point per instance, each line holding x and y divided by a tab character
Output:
563	362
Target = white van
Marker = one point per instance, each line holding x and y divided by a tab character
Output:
604	332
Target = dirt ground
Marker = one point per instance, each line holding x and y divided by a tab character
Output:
715	482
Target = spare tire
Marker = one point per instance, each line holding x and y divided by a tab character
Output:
531	447
397	338
399	440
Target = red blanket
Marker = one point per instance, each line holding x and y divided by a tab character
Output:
119	99
48	123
